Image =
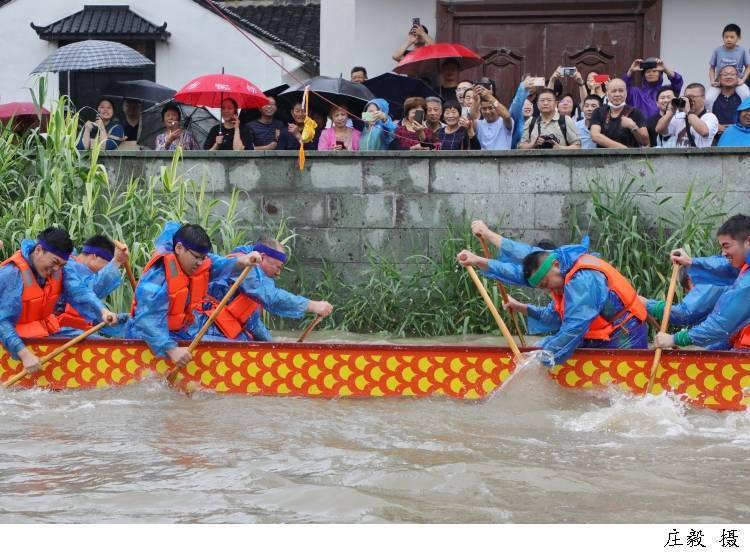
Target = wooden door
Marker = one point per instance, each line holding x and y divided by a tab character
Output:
535	37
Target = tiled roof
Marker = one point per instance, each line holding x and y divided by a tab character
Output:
101	22
293	27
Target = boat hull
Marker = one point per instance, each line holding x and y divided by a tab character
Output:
716	380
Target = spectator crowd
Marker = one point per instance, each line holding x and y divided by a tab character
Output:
648	106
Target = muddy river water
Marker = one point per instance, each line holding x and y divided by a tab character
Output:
534	452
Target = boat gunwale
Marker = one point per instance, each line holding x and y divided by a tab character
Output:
406	348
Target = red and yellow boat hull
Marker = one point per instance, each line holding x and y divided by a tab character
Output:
716	380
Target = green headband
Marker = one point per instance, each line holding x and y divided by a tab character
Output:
542	271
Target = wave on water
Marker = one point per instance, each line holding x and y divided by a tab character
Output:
658	416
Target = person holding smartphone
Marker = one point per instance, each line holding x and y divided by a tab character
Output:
413	133
416	38
174	135
229	135
495	129
339	137
379	130
106	129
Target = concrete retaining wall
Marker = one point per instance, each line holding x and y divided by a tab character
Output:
401	203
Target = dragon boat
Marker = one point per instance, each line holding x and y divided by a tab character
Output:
715	380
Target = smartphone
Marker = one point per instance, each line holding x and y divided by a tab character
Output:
419	116
341	144
415	22
568	71
602	79
367	117
464	112
538	82
429	145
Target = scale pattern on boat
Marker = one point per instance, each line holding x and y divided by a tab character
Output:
719	381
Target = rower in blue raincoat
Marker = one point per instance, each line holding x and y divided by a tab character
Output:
171	299
728	324
97	267
242	316
32	282
593	305
700	297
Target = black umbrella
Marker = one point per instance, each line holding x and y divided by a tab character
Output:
195	119
141	89
334	89
396	88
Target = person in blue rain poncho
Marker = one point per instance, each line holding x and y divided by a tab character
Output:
700	297
593	305
728	324
97	267
242	317
32	281
379	130
171	299
739	133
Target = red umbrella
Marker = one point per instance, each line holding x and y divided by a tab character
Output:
426	60
211	90
23	114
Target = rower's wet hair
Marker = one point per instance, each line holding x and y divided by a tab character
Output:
194	235
272	243
532	262
545	244
737	227
101	241
58	238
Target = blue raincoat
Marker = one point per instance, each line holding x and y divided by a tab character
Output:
150	320
732	310
516	114
737	134
380	135
586	297
102	283
74	292
262	288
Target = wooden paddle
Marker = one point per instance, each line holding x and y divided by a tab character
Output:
664	323
503	293
491	306
47	357
173	373
128	268
310	327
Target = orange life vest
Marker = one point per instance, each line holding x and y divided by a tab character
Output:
741	339
37	317
600	328
232	319
186	293
71	318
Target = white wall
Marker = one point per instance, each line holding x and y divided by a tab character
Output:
201	42
366	32
691	30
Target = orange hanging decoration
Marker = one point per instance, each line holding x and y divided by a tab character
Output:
308	131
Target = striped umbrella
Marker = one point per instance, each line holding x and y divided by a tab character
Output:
91	54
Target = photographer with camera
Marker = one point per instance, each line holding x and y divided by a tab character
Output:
550	129
568	73
495	129
643	98
686	119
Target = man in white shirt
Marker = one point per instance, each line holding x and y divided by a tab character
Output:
495	131
689	111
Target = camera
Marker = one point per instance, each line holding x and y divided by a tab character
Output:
679	103
549	141
568	71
